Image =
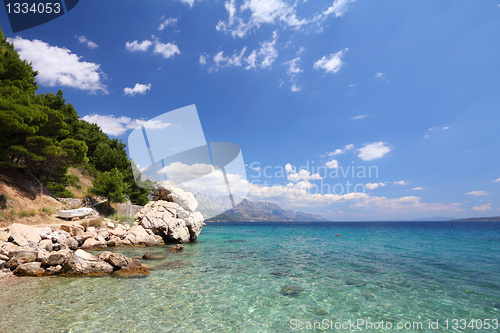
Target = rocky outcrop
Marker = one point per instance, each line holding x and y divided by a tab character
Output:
172	215
84	263
124	266
29	251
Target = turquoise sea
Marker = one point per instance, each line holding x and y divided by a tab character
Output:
284	277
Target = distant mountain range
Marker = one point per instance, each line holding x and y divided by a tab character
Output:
256	211
479	219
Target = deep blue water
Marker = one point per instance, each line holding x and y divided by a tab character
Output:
279	277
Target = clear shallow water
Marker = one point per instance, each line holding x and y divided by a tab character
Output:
232	280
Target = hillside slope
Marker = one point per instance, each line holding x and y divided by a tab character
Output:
24	199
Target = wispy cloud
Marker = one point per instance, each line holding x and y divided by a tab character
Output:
294	67
477	193
497	180
374	150
331	63
137	89
171	21
419	188
435	129
58	66
248	15
338	8
190	3
251	14
401	182
339	151
262	58
381	76
361	116
293	71
89	43
483	208
118	125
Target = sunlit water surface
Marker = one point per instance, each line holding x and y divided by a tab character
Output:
273	277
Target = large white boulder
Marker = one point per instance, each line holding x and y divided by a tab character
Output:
184	199
23	235
173	221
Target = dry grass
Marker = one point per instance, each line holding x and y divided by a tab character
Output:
81	188
97	223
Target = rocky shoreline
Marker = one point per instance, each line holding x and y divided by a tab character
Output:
45	251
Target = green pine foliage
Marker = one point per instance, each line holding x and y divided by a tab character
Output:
44	136
111	184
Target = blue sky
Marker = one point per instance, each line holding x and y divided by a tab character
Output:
410	89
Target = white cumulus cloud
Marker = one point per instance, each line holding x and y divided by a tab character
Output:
136	46
374	150
57	66
137	89
372	186
418	188
497	180
331	63
333	164
401	182
302	174
179	172
118	125
167	50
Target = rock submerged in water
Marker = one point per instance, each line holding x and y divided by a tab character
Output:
291	290
172	215
177	247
